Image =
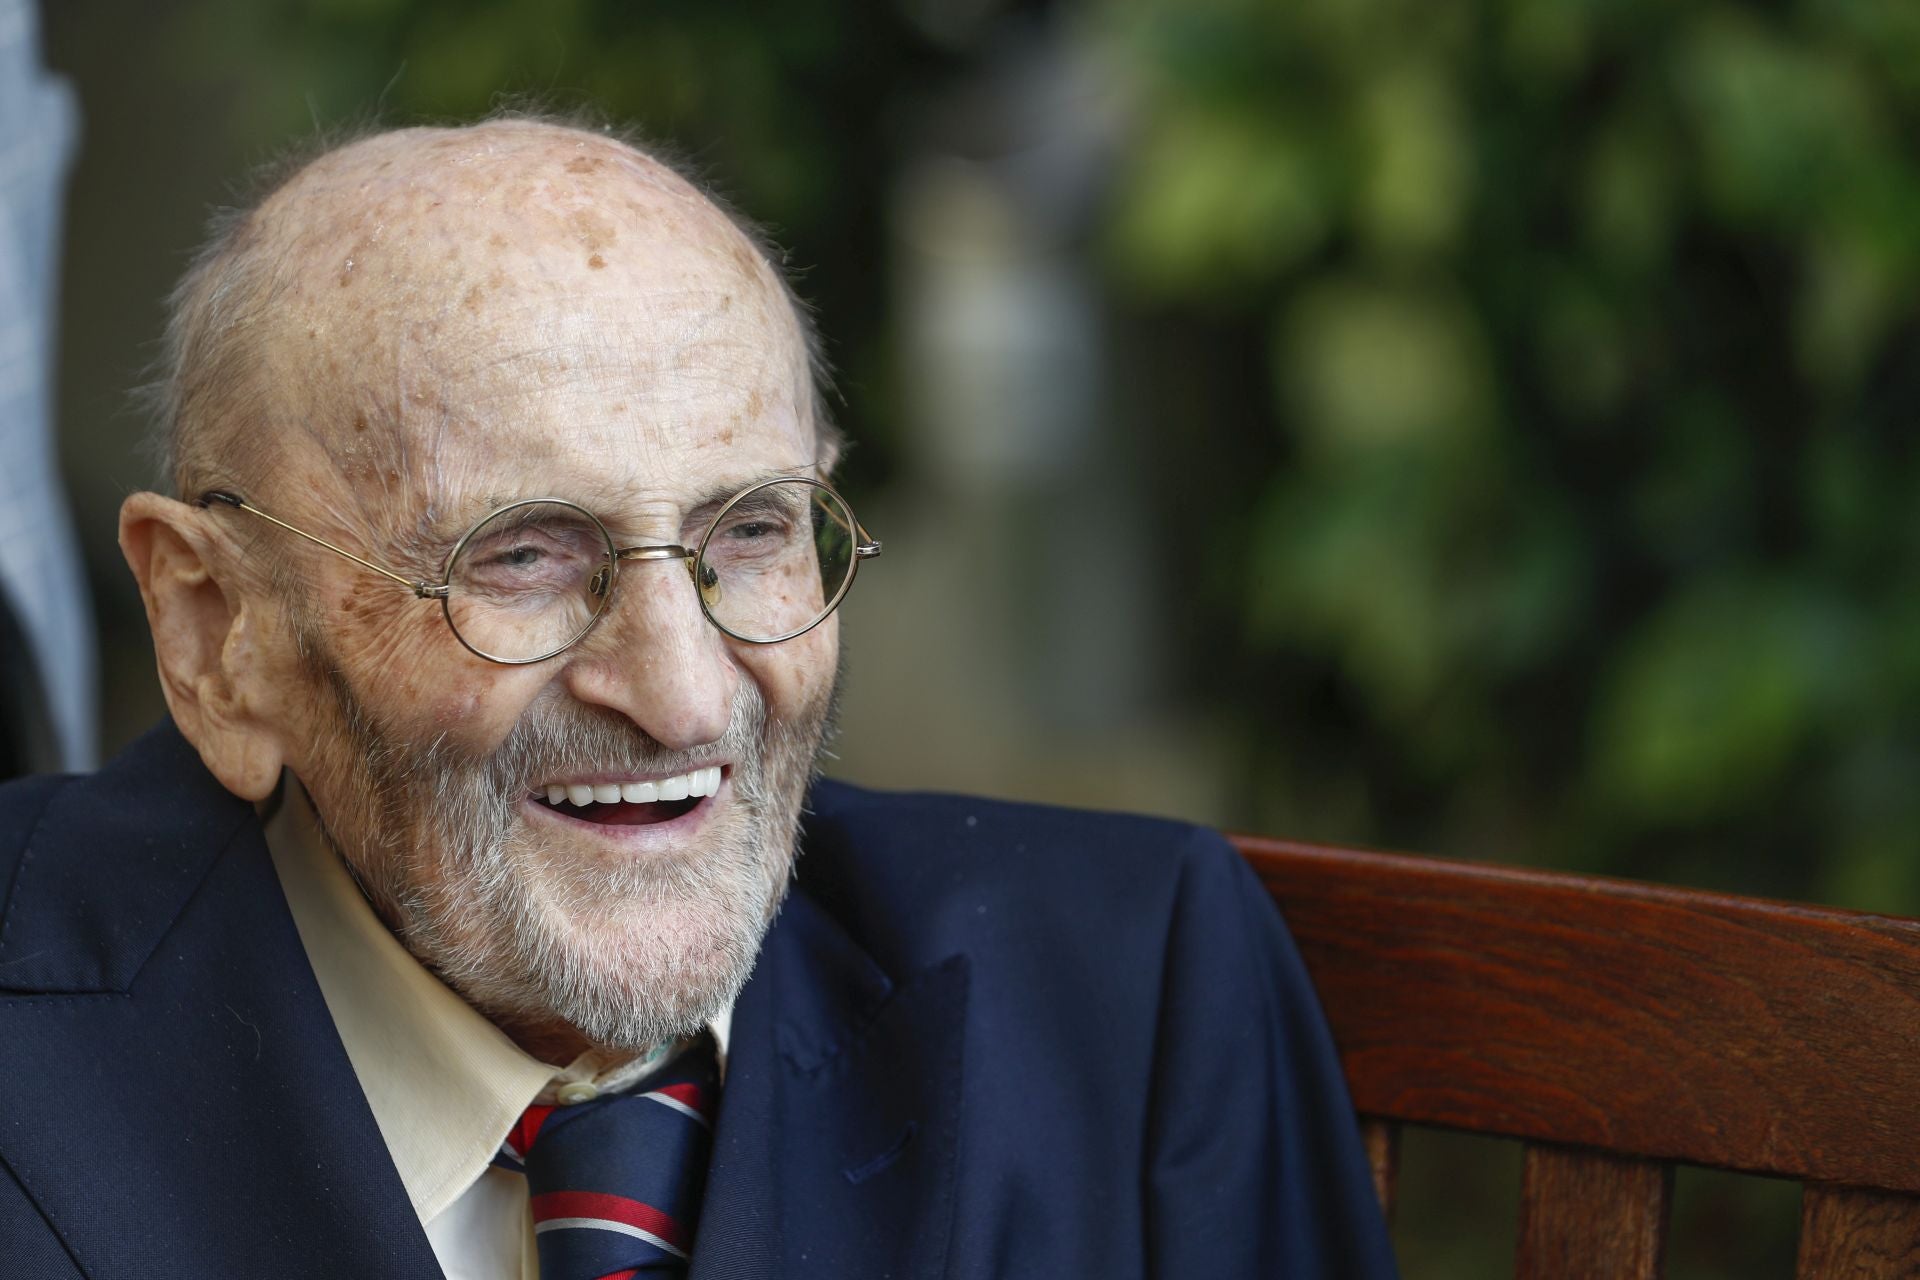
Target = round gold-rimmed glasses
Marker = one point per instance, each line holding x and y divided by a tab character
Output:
530	579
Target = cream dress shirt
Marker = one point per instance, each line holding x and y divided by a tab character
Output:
444	1083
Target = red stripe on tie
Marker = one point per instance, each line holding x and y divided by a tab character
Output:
596	1204
628	1274
527	1128
685	1093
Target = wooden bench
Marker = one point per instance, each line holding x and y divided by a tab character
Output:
1617	1029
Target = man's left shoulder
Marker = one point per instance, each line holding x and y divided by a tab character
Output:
963	867
932	837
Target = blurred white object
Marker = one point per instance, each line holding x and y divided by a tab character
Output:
40	569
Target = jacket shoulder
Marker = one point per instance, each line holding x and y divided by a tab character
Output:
94	869
942	825
929	836
931	870
23	801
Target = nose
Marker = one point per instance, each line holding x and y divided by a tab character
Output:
656	659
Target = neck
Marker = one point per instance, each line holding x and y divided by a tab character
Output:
551	1042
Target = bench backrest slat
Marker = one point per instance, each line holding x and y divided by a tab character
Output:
1636	1019
1847	1233
1588	1216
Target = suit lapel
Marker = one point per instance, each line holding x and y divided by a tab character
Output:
836	1148
173	1095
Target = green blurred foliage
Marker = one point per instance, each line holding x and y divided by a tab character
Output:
1589	533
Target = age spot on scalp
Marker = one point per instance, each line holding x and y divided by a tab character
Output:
586	164
595	232
596	262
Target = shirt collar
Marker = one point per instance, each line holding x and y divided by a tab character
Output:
444	1084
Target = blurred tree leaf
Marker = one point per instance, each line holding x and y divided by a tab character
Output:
1417	182
1362	366
1219	204
1711	700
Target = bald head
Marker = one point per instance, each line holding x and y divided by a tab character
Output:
361	319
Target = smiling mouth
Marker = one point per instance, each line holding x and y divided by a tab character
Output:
631	803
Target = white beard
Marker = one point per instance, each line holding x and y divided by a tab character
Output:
530	932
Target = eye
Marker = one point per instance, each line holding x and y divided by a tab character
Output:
768	514
523	552
537	550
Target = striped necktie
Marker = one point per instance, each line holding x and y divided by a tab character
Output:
616	1182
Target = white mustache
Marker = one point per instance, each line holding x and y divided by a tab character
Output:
569	739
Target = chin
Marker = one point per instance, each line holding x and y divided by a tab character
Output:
628	953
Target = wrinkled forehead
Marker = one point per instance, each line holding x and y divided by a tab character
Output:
543	300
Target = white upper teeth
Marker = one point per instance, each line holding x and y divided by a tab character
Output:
700	782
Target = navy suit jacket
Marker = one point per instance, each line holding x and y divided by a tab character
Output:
981	1040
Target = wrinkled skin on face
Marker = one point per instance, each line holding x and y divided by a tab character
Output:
461	319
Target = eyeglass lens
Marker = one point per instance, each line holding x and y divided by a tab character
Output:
531	579
522	584
776	561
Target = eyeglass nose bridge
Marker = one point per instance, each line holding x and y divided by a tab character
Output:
705	579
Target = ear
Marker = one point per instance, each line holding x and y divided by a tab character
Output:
218	680
829	444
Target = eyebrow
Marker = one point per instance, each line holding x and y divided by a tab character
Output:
719	493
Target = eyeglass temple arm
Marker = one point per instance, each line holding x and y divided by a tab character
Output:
865	546
425	590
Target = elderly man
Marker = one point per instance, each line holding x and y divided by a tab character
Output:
452	924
